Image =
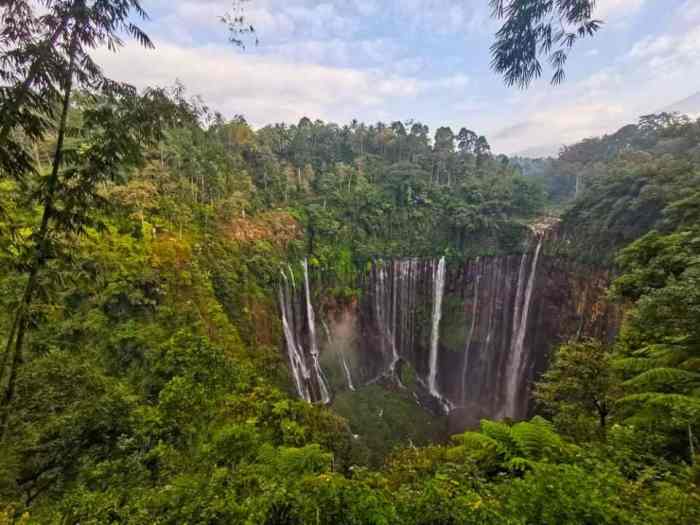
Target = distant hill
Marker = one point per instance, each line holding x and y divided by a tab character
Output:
688	106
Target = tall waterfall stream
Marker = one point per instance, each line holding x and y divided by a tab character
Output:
476	333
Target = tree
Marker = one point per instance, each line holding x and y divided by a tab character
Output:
660	342
37	51
579	385
444	148
536	28
75	27
466	141
482	150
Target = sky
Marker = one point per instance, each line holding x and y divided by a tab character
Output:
426	60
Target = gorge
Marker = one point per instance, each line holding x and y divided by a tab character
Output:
312	291
475	332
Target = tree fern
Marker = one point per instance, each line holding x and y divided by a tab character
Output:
501	433
475	440
677	402
536	439
664	379
519	464
632	365
664	354
692	364
476	447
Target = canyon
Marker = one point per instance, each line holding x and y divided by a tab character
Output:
472	334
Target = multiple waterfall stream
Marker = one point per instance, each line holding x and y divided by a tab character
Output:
517	359
475	333
302	346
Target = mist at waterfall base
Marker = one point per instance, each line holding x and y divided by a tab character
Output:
474	334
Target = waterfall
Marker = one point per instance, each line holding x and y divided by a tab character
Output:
343	358
515	365
405	306
296	358
392	330
475	309
385	307
291	276
519	298
313	350
438	291
415	312
346	369
381	303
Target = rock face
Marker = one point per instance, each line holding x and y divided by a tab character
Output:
476	332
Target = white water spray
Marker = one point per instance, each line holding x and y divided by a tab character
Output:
438	292
311	318
296	358
346	369
343	358
467	348
515	371
392	329
385	307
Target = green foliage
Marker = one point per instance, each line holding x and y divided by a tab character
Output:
369	191
144	381
658	350
579	389
632	182
383	420
530	30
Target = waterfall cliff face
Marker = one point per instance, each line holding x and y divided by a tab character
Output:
516	358
299	328
475	333
296	357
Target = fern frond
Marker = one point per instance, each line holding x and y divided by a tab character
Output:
475	447
656	378
633	365
680	402
691	364
662	353
536	439
475	440
519	464
497	430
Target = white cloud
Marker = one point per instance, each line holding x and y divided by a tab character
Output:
669	54
563	115
275	21
616	9
690	11
653	46
658	70
372	59
262	88
454	82
440	17
366	7
408	66
337	52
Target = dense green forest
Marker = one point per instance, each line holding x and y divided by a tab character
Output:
141	239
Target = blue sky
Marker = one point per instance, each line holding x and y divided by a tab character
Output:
422	59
